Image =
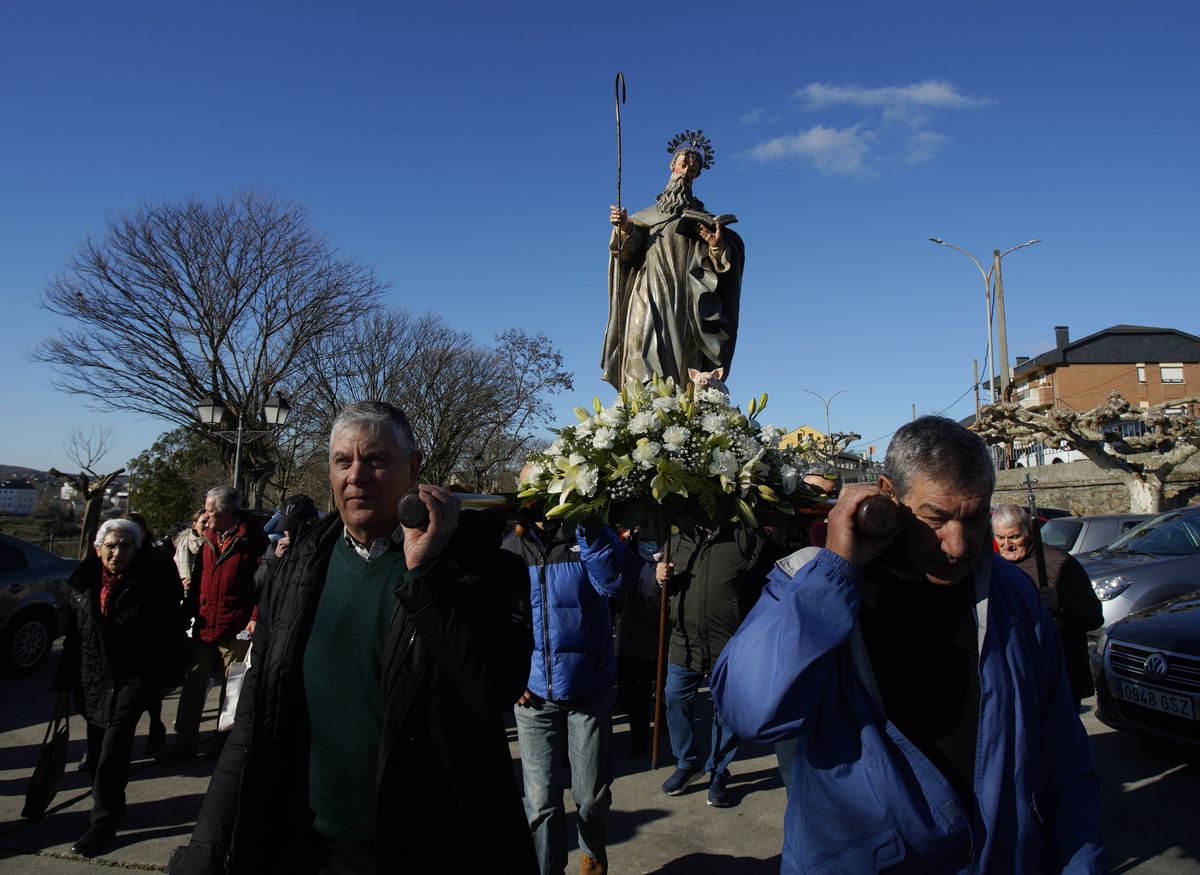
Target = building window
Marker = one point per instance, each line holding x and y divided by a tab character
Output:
1141	369
1171	373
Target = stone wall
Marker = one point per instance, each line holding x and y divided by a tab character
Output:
1083	488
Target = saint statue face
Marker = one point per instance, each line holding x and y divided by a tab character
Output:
685	164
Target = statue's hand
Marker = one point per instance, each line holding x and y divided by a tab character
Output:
712	238
620	218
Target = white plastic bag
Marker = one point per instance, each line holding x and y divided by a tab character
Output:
233	691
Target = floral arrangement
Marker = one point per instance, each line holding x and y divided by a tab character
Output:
660	455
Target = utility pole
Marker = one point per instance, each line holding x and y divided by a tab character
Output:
975	377
1001	329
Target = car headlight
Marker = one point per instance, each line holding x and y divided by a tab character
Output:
1110	587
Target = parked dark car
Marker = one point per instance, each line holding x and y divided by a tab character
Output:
1083	534
1147	671
1156	561
34	603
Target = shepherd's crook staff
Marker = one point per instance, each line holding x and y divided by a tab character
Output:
664	592
619	88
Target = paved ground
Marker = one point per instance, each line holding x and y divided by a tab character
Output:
1149	794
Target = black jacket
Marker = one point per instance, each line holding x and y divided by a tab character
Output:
116	664
455	658
1075	611
716	582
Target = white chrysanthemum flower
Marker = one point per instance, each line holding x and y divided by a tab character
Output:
646	454
586	427
723	462
675	437
556	448
714	423
713	396
668	403
770	436
603	438
536	470
788	474
642	422
613	416
587	480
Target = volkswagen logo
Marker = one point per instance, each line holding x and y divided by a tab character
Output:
1155	666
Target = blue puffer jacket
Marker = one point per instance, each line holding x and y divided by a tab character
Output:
863	797
571	581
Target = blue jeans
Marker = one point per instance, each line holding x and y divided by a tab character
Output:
682	686
579	733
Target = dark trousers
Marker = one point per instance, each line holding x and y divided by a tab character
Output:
635	681
109	752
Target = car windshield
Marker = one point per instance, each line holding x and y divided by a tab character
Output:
1176	533
1061	533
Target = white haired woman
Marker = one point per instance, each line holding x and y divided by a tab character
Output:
1067	595
118	655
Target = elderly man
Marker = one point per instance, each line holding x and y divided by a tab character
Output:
674	284
1067	592
223	602
924	684
369	736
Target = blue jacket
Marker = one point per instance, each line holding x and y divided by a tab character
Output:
863	797
570	584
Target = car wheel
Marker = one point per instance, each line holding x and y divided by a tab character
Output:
25	644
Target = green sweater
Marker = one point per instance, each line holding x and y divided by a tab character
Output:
342	671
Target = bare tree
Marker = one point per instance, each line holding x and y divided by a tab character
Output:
1141	445
464	399
86	449
183	299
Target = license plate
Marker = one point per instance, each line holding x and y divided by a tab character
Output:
1148	697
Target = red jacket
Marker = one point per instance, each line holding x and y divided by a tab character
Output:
227	595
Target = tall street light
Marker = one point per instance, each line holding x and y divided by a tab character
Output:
211	410
987	302
828	431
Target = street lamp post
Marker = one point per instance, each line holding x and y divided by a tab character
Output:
987	302
828	431
211	410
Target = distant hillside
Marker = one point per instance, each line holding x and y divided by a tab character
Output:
10	472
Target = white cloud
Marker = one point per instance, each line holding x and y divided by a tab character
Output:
923	146
831	151
932	93
753	116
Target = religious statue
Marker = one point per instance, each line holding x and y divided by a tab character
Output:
674	280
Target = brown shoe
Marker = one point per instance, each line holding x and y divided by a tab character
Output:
590	865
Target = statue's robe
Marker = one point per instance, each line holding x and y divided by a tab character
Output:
671	305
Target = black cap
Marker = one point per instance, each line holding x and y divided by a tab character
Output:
296	510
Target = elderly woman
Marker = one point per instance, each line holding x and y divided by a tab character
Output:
117	657
1067	593
187	548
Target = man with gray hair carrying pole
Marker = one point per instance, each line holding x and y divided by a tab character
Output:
923	682
370	723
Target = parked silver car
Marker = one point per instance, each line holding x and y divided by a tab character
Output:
34	602
1083	534
1156	561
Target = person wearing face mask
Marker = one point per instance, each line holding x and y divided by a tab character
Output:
1066	592
116	659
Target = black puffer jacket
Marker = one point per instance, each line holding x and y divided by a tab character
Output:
115	663
716	582
455	658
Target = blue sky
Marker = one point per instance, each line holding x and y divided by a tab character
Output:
467	152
